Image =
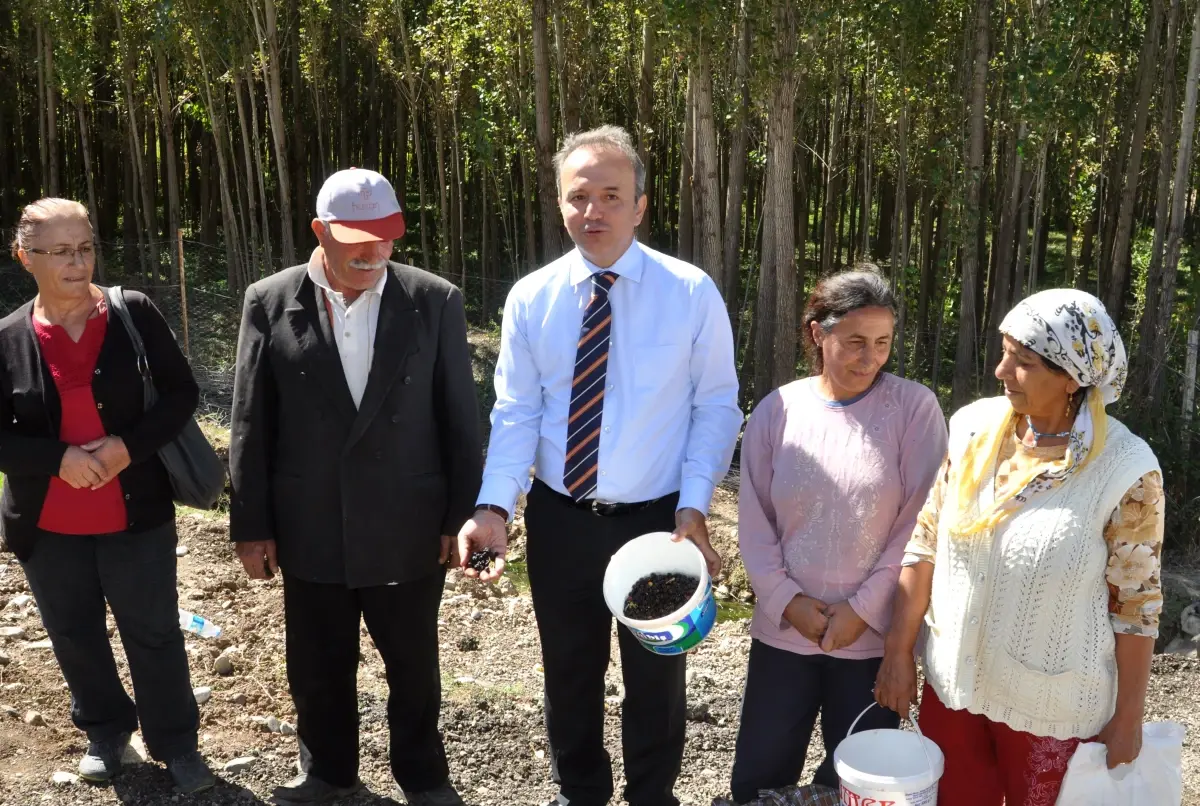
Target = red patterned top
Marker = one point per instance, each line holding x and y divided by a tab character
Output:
67	510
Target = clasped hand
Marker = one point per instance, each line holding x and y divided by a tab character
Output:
95	464
832	626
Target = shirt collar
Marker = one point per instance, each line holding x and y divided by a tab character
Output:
629	265
316	273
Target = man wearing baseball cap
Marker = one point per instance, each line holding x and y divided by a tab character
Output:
355	455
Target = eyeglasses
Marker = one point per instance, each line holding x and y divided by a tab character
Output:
66	254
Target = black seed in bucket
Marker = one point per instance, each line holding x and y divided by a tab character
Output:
659	595
482	560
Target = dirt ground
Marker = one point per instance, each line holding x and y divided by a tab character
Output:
491	716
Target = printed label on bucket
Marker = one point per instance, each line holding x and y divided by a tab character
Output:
685	633
926	797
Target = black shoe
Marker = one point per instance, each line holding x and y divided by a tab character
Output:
306	789
103	759
444	795
191	773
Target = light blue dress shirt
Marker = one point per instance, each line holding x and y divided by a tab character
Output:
671	415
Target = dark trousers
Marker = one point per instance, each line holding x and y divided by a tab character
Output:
784	691
322	666
568	552
71	576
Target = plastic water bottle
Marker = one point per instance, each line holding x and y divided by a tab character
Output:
198	625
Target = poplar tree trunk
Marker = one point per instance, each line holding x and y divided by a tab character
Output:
686	169
1114	299
254	265
708	181
965	388
43	140
147	197
51	118
166	116
739	143
646	137
832	183
445	260
1005	242
547	186
271	59
410	84
1140	374
925	291
269	266
775	310
235	272
85	144
1153	346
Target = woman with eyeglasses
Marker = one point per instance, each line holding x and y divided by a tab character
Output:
87	505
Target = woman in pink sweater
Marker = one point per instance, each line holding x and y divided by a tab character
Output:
835	468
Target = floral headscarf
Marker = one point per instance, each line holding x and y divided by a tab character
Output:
1072	330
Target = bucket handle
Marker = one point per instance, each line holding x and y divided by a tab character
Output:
911	718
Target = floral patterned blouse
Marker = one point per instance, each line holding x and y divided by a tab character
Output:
1134	534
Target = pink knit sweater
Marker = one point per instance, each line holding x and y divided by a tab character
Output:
829	497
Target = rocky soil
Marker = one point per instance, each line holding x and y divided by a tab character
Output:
491	716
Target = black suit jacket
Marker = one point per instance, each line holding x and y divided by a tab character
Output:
360	496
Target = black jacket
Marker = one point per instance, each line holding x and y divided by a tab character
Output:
30	414
356	497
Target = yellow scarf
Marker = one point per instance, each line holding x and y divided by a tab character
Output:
978	463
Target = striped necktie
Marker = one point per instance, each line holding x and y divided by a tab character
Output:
587	391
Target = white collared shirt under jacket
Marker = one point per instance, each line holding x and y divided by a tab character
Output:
354	324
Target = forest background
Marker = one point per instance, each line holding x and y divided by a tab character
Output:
976	150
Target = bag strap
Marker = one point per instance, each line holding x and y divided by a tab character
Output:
115	296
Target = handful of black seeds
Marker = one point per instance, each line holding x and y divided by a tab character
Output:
482	560
659	595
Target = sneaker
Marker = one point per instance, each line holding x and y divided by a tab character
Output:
103	758
306	789
191	773
444	795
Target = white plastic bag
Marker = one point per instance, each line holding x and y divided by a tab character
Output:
1154	779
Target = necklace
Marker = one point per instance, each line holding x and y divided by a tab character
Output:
1039	436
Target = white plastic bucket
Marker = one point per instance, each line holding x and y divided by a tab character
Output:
888	767
657	553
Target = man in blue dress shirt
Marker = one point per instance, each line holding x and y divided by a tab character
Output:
616	383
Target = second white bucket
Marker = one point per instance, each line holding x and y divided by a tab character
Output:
888	766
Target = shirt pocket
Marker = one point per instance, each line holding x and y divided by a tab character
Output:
662	368
28	406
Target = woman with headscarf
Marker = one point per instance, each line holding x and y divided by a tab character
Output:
1034	568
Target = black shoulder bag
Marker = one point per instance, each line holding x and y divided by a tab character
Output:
197	475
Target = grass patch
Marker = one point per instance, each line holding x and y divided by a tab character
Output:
480	694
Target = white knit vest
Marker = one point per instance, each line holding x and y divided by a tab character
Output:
1018	627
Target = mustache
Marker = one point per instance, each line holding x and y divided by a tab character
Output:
368	265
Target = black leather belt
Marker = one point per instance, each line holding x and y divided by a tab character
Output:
601	508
